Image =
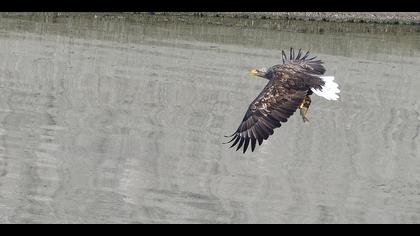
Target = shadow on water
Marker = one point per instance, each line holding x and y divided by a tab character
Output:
121	120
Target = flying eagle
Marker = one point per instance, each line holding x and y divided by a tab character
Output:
289	87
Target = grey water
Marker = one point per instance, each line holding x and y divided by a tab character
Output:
111	120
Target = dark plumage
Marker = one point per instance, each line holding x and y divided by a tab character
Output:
288	85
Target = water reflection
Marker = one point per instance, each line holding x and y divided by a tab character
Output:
121	120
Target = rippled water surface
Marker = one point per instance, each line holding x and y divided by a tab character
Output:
120	121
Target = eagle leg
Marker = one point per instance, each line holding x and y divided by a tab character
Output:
304	107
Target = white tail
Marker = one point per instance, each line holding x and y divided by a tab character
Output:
330	89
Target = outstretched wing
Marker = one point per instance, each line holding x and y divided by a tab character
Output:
274	105
300	72
303	64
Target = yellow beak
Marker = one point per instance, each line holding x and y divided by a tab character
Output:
253	72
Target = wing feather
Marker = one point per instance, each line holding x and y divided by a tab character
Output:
246	144
240	143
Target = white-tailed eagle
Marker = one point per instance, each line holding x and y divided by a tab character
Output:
289	87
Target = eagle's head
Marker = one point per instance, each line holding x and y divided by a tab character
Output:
263	72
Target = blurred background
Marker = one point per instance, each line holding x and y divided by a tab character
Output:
108	118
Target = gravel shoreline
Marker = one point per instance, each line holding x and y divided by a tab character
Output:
358	17
386	18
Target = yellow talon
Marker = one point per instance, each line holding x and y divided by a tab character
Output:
304	107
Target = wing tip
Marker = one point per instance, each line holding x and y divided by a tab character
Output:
296	57
243	142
